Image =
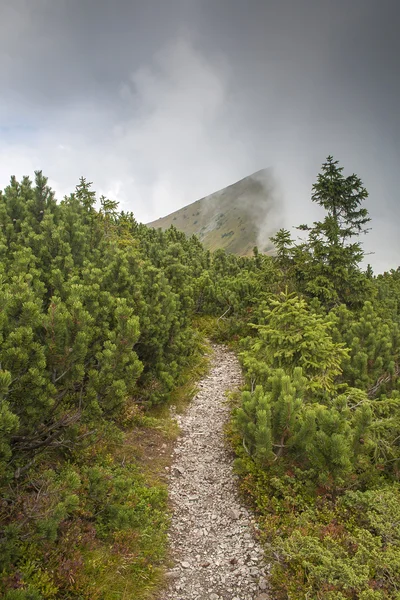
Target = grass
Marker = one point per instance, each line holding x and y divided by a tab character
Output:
150	444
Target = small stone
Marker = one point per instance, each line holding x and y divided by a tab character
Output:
234	514
262	584
172	575
185	565
233	561
214	597
206	564
178	471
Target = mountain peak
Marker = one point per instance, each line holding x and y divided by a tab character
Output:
237	217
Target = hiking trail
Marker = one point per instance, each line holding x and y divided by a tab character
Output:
215	553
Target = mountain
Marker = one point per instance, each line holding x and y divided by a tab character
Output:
236	218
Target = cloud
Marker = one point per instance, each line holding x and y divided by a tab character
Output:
161	103
184	139
175	143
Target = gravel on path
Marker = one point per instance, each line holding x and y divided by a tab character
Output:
212	534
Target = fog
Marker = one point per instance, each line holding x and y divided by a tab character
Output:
162	104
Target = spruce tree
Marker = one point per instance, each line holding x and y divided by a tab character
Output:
290	335
331	257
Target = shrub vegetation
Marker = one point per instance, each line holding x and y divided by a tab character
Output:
99	320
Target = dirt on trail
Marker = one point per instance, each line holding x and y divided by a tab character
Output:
215	553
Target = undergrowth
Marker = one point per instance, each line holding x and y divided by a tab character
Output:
322	545
94	527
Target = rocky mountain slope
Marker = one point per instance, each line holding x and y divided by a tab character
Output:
236	218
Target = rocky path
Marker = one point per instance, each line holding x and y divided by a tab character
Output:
216	556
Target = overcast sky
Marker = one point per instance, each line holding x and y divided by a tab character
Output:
164	101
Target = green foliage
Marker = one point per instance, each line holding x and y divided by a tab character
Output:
76	515
317	431
327	264
96	317
25	594
320	547
95	310
96	327
285	253
341	197
285	423
290	335
354	550
374	342
8	422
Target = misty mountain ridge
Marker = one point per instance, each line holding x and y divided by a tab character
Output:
235	218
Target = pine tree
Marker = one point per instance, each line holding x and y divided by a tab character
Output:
9	423
373	340
341	197
280	421
284	246
331	258
290	335
269	419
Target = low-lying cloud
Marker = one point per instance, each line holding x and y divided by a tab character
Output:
168	141
160	104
